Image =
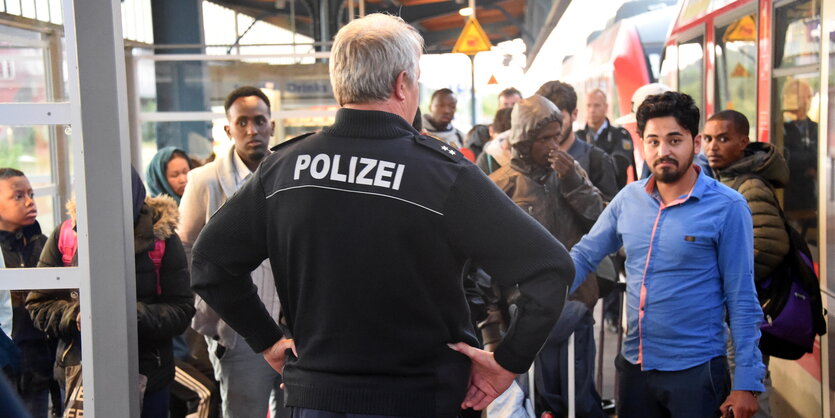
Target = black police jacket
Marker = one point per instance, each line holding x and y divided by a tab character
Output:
368	226
616	142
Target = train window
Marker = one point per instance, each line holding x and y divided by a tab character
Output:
736	68
797	34
795	122
667	74
692	10
690	69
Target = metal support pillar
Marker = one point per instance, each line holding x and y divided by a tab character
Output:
472	76
179	22
60	140
324	23
472	89
96	67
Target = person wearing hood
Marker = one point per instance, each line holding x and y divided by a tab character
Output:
752	169
164	302
552	187
168	173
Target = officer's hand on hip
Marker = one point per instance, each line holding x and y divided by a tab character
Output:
488	379
277	354
743	403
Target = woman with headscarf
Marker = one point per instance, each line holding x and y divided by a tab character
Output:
168	173
193	389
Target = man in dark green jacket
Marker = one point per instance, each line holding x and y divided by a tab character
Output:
731	156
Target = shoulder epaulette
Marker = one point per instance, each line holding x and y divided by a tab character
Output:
438	145
291	140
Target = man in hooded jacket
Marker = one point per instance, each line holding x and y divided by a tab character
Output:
554	189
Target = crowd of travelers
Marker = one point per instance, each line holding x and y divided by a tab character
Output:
323	278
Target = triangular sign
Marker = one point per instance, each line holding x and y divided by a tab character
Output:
493	80
740	71
473	39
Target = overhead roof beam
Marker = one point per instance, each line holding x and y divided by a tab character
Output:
558	8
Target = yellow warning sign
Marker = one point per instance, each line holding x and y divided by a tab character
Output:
473	39
493	80
744	29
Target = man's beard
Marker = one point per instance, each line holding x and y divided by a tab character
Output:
564	136
669	174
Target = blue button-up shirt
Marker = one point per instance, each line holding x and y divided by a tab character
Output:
687	261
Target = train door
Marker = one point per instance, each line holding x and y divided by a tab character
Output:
794	125
827	123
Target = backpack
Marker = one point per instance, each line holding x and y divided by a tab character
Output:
790	297
68	246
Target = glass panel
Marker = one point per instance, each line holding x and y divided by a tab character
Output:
35	151
718	4
736	68
23	67
42	8
797	34
691	69
194	86
55	12
692	9
795	128
667	74
27	149
28	7
830	209
13	7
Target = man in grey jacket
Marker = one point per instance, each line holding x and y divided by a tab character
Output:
246	380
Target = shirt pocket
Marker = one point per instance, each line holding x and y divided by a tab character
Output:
694	248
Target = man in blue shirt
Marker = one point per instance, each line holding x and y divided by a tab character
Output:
685	237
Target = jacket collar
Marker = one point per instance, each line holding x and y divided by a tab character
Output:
227	173
15	240
373	124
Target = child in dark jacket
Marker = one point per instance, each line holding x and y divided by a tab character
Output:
21	241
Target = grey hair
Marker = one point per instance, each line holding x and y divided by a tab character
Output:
369	53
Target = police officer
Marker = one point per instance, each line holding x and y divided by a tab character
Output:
615	140
368	225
